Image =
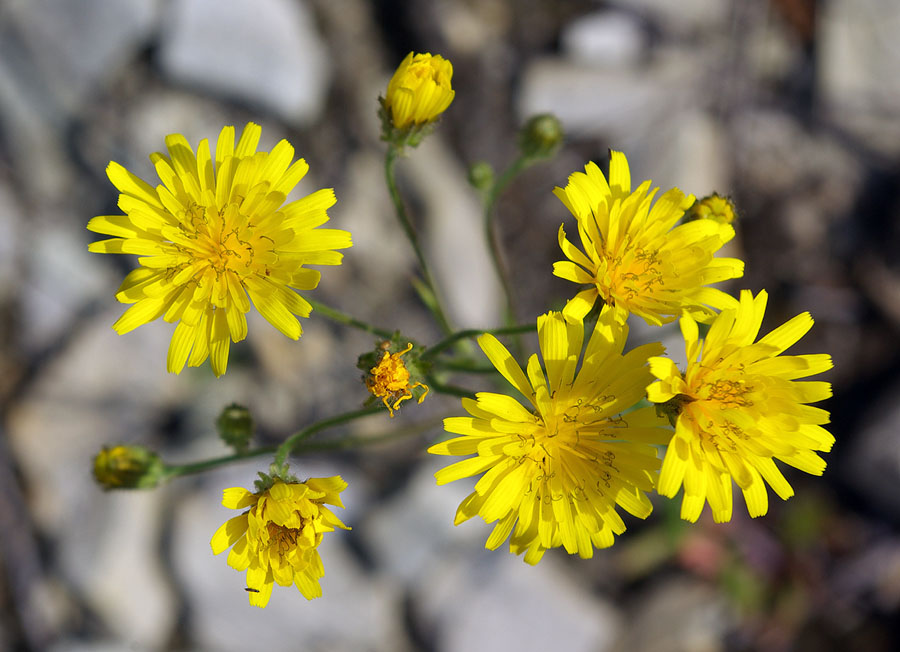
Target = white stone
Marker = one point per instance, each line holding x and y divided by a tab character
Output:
623	104
122	576
265	52
498	602
453	236
412	533
603	38
684	17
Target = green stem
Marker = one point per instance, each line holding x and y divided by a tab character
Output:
452	390
492	237
449	341
347	320
355	441
434	304
291	442
464	366
176	470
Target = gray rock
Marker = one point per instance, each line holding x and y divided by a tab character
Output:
266	52
509	605
622	104
859	58
680	614
73	46
682	18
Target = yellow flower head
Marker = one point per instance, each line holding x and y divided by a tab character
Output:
419	91
389	380
212	233
634	257
127	467
554	471
739	407
276	540
714	207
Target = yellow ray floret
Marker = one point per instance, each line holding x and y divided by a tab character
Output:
215	235
634	256
276	539
741	407
554	471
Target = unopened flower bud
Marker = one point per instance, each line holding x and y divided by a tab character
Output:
235	426
714	207
481	176
127	467
541	136
418	93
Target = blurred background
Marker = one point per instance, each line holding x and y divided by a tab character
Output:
791	107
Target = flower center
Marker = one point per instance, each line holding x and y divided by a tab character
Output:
282	539
629	273
223	241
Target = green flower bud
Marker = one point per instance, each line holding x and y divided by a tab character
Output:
127	467
481	176
235	426
541	136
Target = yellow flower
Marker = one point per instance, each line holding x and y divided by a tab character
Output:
128	467
714	207
739	407
554	471
419	91
389	380
276	540
633	257
214	232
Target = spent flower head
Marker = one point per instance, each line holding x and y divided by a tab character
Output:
390	379
555	471
740	407
418	93
215	232
635	257
276	539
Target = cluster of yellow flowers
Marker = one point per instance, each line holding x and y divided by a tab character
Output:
216	235
554	471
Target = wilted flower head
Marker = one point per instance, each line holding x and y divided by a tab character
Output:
389	380
419	91
215	231
740	407
276	540
634	257
555	471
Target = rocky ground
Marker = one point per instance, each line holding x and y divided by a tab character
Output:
791	107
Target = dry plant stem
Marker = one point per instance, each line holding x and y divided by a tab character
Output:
399	208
